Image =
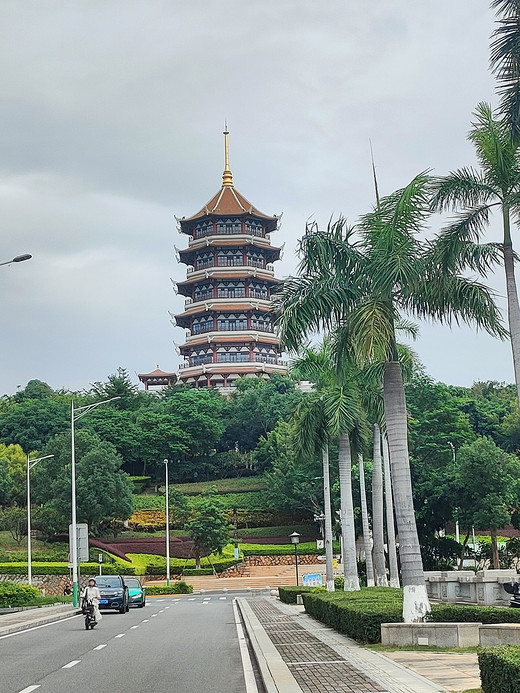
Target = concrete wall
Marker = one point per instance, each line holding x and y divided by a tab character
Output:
459	586
432	634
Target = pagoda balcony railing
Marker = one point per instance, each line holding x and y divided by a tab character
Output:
231	358
211	268
229	231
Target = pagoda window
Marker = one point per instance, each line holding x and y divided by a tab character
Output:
233	354
259	290
262	322
229	226
231	322
254	228
231	289
230	258
255	259
204	260
202	324
203	292
204	228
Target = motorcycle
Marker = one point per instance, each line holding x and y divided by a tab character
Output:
513	588
88	611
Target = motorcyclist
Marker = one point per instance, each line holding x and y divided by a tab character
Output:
92	594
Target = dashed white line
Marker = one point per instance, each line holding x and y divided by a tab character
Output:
153	615
100	647
71	664
221	598
30	688
191	599
133	627
161	611
145	620
175	601
121	635
166	607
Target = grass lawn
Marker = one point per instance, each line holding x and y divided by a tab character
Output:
236	485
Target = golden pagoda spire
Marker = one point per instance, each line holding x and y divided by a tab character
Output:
227	176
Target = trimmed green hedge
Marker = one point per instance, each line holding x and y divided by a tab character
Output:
12	594
457	613
180	587
289	593
500	668
357	614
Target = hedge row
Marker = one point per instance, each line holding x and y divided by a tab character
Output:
188	567
453	613
61	568
288	594
500	668
12	594
180	587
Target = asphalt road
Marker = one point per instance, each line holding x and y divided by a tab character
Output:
182	644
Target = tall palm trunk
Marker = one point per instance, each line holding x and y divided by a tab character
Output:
329	567
513	307
367	541
390	521
415	598
377	513
348	531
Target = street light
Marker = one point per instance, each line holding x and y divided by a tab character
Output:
30	465
18	258
457	528
74	416
295	539
167	528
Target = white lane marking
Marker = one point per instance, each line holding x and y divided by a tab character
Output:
100	647
249	675
206	599
121	635
145	620
191	599
175	600
153	615
30	688
44	625
71	664
160	600
133	627
221	598
161	611
166	607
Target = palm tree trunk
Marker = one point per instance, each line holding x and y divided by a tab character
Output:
415	597
329	567
348	531
513	307
367	541
377	513
390	519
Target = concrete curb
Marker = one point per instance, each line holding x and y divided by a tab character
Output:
40	619
276	675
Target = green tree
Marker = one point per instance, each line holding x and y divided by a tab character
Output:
16	463
4	482
208	528
474	194
369	284
103	490
14	520
487	487
35	389
32	423
119	385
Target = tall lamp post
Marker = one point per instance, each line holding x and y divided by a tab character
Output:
167	527
30	465
74	416
295	539
18	258
457	528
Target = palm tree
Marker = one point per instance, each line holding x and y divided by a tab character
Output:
337	398
390	518
505	63
377	511
366	283
477	193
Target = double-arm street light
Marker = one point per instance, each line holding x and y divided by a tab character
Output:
30	465
167	527
74	416
18	258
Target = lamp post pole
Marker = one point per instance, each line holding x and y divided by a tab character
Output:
30	465
167	528
454	456
295	539
76	414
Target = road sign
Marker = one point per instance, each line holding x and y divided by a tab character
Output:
81	542
312	580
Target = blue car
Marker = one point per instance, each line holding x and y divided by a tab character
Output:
114	592
136	592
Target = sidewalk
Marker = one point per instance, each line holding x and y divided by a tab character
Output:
297	654
31	618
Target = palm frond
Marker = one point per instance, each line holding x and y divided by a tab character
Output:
505	62
371	324
495	149
464	187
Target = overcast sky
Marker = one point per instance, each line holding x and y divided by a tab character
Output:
111	123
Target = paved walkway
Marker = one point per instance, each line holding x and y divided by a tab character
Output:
30	618
319	659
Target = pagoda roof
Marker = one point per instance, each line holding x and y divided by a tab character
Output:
157	373
228	202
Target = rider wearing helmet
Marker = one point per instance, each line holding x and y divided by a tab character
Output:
92	594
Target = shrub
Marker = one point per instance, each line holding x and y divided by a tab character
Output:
442	613
288	594
180	587
357	614
500	668
12	594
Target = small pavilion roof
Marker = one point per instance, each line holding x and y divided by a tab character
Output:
157	373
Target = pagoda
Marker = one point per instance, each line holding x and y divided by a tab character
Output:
230	276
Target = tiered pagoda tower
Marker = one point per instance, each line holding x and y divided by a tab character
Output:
228	291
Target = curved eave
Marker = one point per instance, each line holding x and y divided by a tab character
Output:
228	202
271	253
214	274
267	338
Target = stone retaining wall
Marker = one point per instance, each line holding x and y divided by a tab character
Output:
49	585
305	559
